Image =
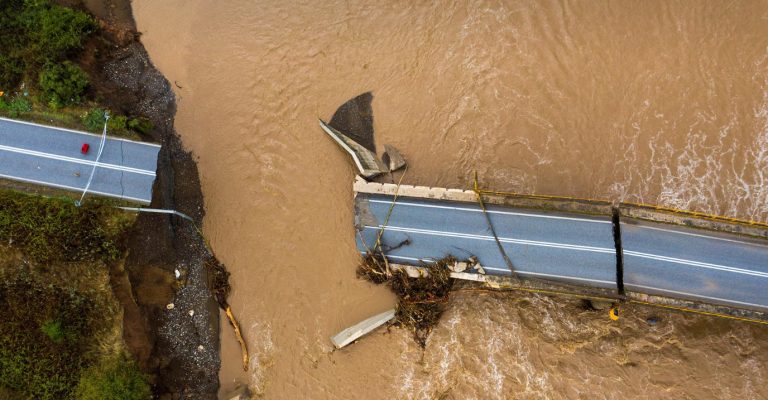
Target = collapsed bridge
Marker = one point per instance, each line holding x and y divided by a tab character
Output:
624	251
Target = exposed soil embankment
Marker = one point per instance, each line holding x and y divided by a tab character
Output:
167	257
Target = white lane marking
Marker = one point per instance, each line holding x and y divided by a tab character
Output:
580	248
630	286
40	154
77	132
696	263
693	234
405	203
508	272
146	201
501	239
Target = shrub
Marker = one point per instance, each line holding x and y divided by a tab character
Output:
62	84
53	30
54	331
118	379
94	119
141	125
15	106
117	123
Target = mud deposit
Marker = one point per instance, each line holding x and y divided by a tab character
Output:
659	102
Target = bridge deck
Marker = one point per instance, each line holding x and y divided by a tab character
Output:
662	259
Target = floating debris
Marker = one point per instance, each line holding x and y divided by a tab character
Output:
364	327
421	301
373	268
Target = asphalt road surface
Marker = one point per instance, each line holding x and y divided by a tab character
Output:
577	249
695	264
52	157
572	248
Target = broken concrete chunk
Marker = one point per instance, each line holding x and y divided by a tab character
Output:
365	160
479	268
392	158
354	332
459	266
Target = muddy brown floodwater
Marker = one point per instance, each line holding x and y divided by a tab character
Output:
657	101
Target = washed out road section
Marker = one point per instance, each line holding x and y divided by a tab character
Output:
52	157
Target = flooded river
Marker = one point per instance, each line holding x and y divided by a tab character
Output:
661	102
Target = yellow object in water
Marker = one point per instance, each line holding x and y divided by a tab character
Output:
614	313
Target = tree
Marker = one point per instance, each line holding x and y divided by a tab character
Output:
62	84
34	33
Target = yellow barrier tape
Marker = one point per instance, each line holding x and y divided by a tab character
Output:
700	312
640	302
625	203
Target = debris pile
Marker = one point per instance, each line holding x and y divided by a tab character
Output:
422	300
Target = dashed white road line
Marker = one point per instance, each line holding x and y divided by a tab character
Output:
566	246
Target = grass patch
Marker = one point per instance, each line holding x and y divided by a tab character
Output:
421	301
37	357
55	230
115	378
54	330
60	319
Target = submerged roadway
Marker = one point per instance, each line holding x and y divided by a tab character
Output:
578	249
52	157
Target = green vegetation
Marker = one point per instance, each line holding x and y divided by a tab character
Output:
61	330
54	331
16	106
35	33
141	125
62	84
31	362
60	324
93	119
38	80
50	229
117	378
48	346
